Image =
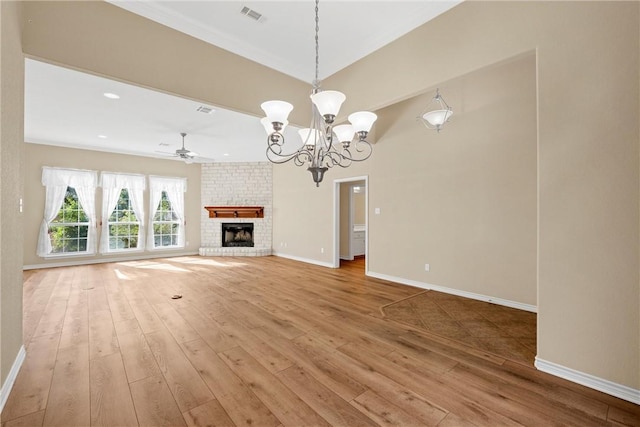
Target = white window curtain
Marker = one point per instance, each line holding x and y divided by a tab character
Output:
112	185
175	189
56	181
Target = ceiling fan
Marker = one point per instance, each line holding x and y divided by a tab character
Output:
183	153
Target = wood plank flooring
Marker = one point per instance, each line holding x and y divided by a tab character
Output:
263	342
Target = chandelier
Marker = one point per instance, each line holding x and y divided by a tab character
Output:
323	145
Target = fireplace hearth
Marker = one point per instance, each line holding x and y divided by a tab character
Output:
237	235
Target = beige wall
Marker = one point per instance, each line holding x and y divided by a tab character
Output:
463	200
11	166
38	156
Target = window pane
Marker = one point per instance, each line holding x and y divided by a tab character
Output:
71	210
123	224
165	225
67	238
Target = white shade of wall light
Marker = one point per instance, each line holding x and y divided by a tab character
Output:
436	113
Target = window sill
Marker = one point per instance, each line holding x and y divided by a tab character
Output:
165	248
122	251
69	255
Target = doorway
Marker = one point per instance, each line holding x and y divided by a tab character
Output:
351	223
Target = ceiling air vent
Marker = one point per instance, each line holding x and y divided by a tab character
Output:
256	16
204	109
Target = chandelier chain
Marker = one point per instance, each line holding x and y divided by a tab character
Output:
316	82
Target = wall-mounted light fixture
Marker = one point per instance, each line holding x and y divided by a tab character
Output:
436	113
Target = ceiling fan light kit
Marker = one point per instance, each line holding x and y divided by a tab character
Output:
323	146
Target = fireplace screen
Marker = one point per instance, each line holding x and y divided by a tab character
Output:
237	234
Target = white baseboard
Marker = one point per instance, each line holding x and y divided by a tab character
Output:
605	386
479	297
307	260
109	259
11	378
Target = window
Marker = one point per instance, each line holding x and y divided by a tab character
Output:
167	212
122	212
69	231
166	225
69	223
124	226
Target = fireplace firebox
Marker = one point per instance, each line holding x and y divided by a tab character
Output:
237	234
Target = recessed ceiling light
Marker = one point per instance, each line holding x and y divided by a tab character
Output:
102	136
226	154
111	95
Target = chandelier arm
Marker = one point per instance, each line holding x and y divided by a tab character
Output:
299	157
274	152
303	157
363	146
336	158
279	159
343	161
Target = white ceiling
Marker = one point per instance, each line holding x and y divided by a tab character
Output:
67	108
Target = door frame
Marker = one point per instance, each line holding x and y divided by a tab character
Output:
336	219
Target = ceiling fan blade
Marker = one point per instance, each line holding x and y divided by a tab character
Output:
168	153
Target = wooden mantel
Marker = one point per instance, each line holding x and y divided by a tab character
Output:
235	211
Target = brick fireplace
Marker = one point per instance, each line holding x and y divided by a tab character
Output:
238	193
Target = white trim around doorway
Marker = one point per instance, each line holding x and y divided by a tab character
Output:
336	219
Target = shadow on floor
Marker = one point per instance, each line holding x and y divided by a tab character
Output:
504	331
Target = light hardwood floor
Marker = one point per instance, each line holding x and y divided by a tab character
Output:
262	342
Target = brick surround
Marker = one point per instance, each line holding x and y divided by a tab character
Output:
236	184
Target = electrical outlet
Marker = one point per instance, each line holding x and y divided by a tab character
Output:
377	211
426	267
